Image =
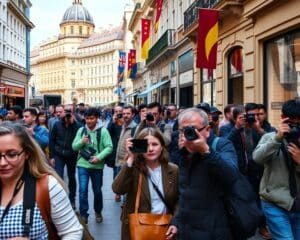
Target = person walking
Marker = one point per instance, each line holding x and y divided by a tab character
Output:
156	170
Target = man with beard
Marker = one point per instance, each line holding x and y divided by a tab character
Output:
128	125
39	133
61	152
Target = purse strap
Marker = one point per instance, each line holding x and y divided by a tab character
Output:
138	194
161	196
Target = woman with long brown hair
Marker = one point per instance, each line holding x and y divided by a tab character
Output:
156	171
23	164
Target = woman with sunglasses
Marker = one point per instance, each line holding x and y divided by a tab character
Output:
23	166
157	173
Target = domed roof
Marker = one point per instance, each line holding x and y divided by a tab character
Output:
77	13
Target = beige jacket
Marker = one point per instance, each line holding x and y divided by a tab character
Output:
121	149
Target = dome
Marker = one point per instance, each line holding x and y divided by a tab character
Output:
77	13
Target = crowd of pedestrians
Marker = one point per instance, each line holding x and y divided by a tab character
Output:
186	160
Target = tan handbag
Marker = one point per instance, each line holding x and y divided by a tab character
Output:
147	226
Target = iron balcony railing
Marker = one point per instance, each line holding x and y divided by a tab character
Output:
166	40
191	14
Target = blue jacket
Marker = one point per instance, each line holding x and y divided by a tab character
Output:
41	135
202	182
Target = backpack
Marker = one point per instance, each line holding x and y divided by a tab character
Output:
43	202
107	160
240	203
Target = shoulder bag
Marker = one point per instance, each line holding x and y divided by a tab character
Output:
147	226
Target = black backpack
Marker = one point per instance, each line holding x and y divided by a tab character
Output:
107	160
243	212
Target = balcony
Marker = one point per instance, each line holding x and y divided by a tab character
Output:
191	14
162	44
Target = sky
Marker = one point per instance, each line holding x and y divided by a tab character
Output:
46	15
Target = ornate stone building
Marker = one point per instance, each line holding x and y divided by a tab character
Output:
15	26
79	63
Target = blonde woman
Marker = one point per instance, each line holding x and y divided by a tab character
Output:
21	159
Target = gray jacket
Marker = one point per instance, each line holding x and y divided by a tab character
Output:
274	185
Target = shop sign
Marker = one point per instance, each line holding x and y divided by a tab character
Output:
276	105
13	91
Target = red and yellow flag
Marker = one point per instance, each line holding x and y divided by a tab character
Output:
145	38
207	38
129	65
159	4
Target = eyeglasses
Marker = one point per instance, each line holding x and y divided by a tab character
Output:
181	130
11	156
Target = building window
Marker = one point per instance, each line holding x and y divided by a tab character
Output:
235	76
73	83
80	29
282	65
72	30
209	86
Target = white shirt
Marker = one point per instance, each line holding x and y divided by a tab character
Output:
157	205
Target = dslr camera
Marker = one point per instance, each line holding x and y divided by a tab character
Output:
190	133
294	135
87	153
119	115
68	114
250	118
150	117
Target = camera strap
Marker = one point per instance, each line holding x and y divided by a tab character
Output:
291	167
28	203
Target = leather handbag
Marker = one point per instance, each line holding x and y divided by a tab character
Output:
147	226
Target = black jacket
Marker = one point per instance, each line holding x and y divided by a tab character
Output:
61	139
115	132
202	182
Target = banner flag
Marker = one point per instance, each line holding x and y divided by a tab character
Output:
207	38
133	71
159	4
145	38
121	67
129	65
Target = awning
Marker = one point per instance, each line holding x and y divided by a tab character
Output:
132	94
154	86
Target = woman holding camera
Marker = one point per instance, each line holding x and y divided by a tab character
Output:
157	173
25	181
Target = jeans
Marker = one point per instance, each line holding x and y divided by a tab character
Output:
282	223
84	176
116	171
60	163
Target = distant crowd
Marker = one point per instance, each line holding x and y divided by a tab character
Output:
185	160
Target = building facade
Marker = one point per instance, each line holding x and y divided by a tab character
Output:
258	53
15	26
80	63
258	56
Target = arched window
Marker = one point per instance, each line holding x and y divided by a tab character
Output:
235	76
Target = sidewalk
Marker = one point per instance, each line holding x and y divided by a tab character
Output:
110	228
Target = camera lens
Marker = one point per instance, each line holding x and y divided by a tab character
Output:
190	133
150	117
119	115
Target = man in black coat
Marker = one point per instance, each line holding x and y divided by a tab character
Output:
61	152
204	176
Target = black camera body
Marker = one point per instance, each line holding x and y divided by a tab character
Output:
190	133
68	114
250	118
119	115
294	135
87	153
150	117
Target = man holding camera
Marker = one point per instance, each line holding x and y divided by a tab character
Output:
154	119
60	149
245	135
204	172
94	144
279	152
